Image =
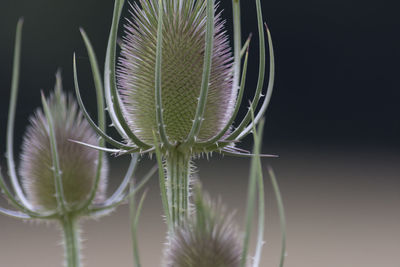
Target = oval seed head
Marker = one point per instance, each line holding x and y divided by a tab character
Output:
207	240
183	47
78	164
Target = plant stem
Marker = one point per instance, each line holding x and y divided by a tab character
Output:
71	241
178	185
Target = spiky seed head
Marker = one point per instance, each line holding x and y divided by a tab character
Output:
183	47
208	239
78	163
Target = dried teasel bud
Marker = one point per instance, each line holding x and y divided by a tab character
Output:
78	163
206	239
183	47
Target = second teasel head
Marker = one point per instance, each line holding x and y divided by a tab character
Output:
78	164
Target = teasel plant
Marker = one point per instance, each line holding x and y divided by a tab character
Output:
61	181
176	89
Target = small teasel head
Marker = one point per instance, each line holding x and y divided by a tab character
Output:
78	164
206	239
183	48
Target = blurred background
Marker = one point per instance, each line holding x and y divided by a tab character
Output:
333	120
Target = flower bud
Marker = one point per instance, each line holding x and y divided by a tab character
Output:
183	47
207	239
78	164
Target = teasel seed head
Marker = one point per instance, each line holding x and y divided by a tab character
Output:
206	239
183	47
78	163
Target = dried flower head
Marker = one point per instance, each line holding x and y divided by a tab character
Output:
183	47
207	239
78	164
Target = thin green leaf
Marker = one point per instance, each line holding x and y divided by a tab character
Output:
124	196
257	136
246	46
261	75
55	159
14	214
281	211
236	110
125	182
11	119
109	150
251	195
163	188
205	82
261	217
245	155
9	195
159	109
270	88
100	112
237	43
108	67
97	129
112	96
135	214
17	205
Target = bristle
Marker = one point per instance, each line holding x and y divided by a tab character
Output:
183	48
77	163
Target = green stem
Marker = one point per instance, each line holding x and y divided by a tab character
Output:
178	185
71	241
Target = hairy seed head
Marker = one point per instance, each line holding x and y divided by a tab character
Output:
78	163
183	47
207	239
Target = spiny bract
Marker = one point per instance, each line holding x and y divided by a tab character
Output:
207	239
77	163
183	47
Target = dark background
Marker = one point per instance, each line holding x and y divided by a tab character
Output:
333	119
337	65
